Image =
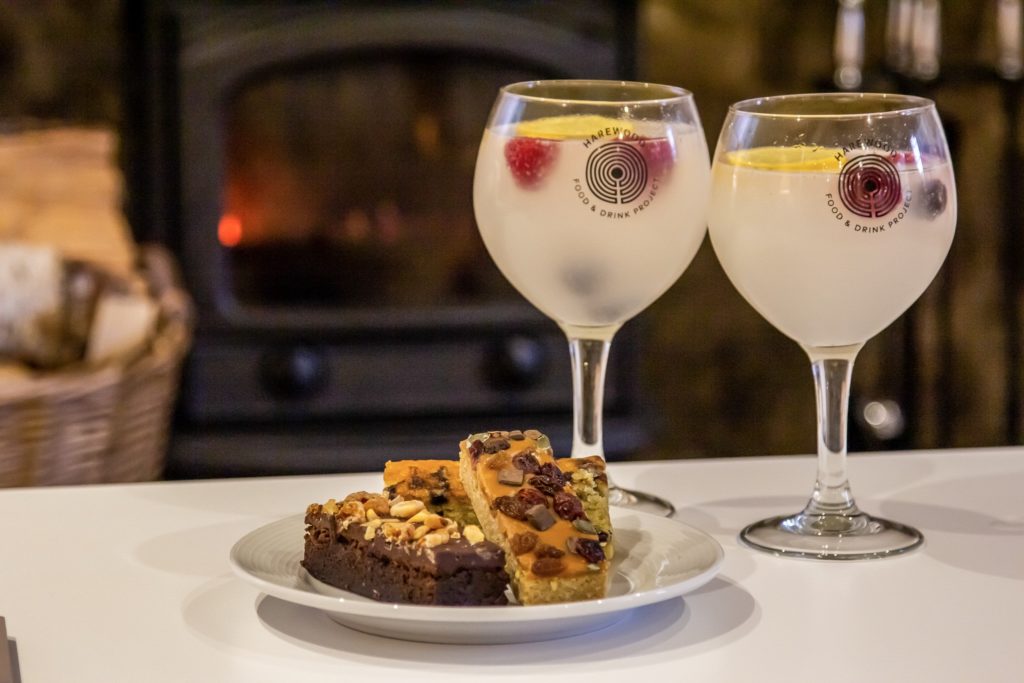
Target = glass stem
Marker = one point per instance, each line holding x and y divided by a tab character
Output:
832	368
589	355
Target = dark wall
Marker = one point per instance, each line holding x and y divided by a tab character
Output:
719	380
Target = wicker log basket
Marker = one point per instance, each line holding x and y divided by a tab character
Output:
111	423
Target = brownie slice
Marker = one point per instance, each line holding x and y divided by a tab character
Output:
394	550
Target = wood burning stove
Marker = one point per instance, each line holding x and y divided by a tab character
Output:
311	165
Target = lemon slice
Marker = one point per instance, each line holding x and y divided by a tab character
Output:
569	127
796	158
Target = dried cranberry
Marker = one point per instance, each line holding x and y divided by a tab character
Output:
545	485
515	509
495	444
531	497
526	462
476	448
548	566
567	506
602	536
544	550
590	550
660	154
551	470
523	542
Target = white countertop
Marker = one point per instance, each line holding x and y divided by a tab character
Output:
132	583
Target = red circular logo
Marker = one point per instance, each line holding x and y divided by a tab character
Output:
869	186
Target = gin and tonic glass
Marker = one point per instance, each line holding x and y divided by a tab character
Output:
591	198
831	214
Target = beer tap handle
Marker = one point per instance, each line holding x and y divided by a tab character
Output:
849	45
898	33
1009	39
927	39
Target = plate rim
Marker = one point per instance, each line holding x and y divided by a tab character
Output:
360	606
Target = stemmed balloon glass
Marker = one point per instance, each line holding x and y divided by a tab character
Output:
591	198
831	214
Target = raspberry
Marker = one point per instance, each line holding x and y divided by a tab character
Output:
530	159
904	158
660	154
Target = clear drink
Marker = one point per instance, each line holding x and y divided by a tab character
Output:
591	197
831	213
592	251
822	274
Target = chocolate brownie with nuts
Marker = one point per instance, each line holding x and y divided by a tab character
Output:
394	550
554	551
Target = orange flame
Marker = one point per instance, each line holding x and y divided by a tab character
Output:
229	230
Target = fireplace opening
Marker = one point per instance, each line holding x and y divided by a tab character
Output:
311	165
347	184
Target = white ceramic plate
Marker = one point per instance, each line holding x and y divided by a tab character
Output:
655	559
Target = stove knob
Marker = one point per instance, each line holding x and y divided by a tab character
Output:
517	362
294	373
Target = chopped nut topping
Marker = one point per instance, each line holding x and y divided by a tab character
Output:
435	538
395	520
379	504
473	534
406	508
434	521
353	509
419	517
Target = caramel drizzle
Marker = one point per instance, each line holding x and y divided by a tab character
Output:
556	536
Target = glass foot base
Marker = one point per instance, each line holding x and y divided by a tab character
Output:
639	500
831	536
